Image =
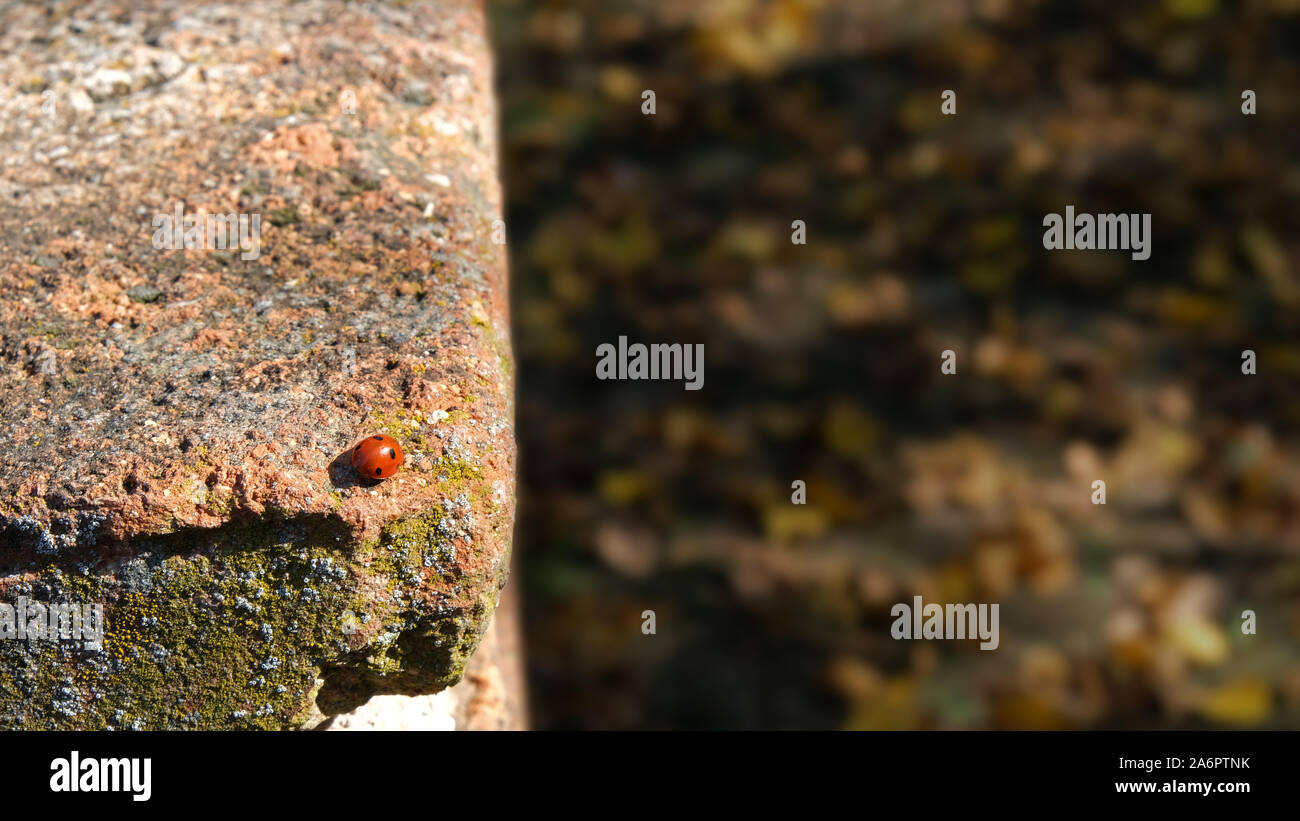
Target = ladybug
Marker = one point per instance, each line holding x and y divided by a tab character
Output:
378	456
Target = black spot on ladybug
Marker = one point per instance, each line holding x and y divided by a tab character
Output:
377	438
379	471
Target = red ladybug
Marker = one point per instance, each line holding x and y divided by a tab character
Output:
377	456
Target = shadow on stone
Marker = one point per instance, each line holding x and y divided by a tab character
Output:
344	690
344	476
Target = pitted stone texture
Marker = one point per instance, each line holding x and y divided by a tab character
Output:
489	697
175	424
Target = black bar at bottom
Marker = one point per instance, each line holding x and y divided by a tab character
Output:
613	772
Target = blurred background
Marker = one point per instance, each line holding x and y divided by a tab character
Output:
822	360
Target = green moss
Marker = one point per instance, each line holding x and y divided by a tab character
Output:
457	472
502	349
395	422
254	188
235	628
287	215
427	643
220	502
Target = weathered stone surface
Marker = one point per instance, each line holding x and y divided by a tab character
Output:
491	696
175	424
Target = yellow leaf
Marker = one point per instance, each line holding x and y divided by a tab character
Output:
786	522
1199	640
1241	701
1187	9
620	487
895	708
